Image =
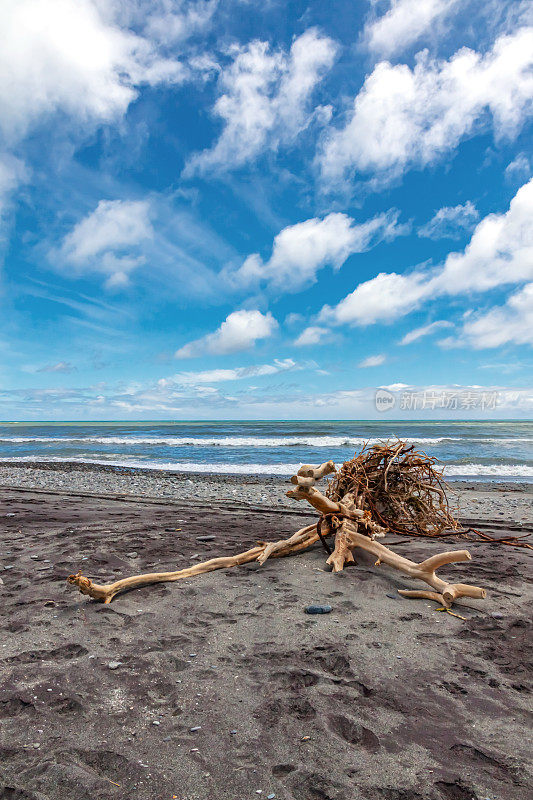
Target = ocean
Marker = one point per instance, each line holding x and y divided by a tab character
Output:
474	450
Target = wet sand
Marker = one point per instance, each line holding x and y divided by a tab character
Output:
384	698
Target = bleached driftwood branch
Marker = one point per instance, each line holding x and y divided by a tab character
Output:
342	518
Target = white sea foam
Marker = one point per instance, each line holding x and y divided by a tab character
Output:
501	471
247	441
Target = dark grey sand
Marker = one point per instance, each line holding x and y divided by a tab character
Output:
399	701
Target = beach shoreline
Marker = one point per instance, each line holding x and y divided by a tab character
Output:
511	501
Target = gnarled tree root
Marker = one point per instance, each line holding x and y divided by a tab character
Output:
344	519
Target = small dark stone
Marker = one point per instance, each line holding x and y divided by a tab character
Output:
207	538
328	567
233	733
317	609
497	615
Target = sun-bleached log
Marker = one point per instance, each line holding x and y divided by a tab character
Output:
342	553
317	500
425	571
301	536
308	471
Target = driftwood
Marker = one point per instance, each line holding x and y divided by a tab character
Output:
386	488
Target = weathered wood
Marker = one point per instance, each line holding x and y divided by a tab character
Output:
345	519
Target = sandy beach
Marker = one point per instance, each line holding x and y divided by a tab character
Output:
221	686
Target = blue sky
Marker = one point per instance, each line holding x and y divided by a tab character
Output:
226	209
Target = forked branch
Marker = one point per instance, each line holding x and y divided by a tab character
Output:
381	489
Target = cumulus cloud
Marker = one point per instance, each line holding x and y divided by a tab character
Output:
404	23
311	335
381	299
450	222
373	361
72	56
104	240
300	251
425	330
500	252
405	117
239	331
265	99
512	322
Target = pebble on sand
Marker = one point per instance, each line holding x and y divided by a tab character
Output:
114	664
196	728
317	609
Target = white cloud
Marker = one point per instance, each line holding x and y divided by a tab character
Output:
519	169
71	56
62	366
404	23
173	21
500	252
406	117
311	335
238	373
103	241
12	173
381	299
425	330
265	99
450	222
512	322
239	331
372	361
300	251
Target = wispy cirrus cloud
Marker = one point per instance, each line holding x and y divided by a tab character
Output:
450	222
425	330
372	361
234	374
519	169
61	366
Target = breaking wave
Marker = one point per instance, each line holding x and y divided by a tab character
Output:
247	441
502	471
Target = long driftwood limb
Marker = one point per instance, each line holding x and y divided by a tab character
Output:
106	592
343	516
